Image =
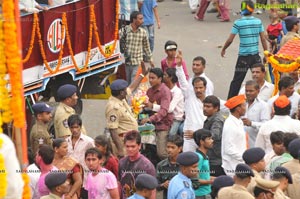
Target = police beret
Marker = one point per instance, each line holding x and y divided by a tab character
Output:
41	107
242	170
253	155
282	172
66	91
294	148
187	158
222	181
290	21
235	101
268	185
54	179
118	84
146	181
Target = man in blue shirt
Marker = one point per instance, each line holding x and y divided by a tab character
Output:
149	10
203	139
249	29
180	186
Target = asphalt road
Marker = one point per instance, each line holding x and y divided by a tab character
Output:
194	38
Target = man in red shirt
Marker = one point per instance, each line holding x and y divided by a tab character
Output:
159	94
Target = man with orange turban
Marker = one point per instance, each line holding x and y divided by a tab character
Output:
234	141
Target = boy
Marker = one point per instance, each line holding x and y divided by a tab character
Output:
202	184
101	183
168	168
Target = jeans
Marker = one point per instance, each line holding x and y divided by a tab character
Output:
150	31
175	127
242	65
131	71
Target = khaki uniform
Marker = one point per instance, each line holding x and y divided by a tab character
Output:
280	195
62	113
293	166
234	192
119	117
293	189
252	183
39	135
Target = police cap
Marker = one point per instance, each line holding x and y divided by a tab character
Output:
243	170
146	181
41	107
54	179
118	84
187	158
66	91
222	181
294	148
282	172
253	155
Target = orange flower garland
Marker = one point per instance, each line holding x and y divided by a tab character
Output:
13	61
115	33
26	188
43	51
35	18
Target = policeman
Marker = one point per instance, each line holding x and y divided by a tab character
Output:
220	182
254	157
242	178
67	95
180	186
144	184
293	165
283	176
265	188
39	132
58	185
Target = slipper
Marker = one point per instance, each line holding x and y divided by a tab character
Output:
197	18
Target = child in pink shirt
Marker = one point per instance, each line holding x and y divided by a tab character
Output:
101	183
169	61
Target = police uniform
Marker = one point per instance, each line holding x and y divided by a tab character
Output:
250	156
39	131
119	116
278	173
237	191
220	182
144	181
293	165
267	185
180	186
53	180
63	112
293	190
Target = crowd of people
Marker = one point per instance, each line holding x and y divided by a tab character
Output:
204	147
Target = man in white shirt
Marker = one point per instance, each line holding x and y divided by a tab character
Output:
198	70
280	122
177	103
193	96
233	136
257	111
78	143
286	87
258	74
13	179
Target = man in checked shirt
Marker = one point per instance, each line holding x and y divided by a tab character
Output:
137	45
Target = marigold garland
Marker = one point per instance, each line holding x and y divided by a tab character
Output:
35	18
13	61
106	55
26	187
65	23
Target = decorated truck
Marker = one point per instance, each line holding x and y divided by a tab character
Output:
75	42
